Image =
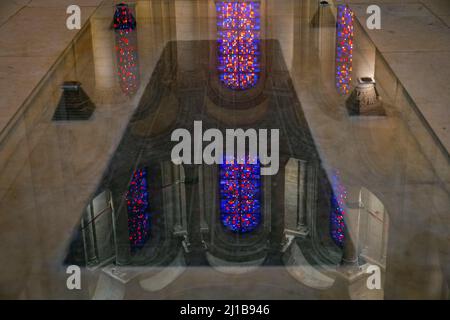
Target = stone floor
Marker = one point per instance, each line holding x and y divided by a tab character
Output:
49	171
420	61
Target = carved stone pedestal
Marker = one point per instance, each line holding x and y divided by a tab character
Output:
364	100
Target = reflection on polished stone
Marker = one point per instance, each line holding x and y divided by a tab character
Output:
365	100
74	103
243	212
351	192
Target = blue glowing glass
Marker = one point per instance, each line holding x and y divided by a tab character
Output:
240	192
337	222
138	210
238	43
344	48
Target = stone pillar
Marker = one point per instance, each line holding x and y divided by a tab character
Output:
174	198
302	223
311	199
103	51
120	228
295	197
145	35
350	253
277	214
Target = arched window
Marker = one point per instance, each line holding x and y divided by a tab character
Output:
344	48
373	228
138	210
240	189
238	43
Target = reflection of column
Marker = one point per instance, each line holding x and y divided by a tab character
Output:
174	198
385	238
185	19
208	195
301	203
145	35
295	197
311	198
364	53
283	28
103	50
351	230
326	37
350	255
168	21
278	210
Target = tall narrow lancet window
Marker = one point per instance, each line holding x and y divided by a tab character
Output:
238	43
126	50
138	210
344	48
338	198
240	191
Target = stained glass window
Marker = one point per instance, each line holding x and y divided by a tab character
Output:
240	188
138	210
123	18
127	61
338	198
238	43
344	48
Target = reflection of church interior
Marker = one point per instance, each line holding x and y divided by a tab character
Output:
362	186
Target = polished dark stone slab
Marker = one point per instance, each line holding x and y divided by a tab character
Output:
184	88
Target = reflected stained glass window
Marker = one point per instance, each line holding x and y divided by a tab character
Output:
240	189
138	210
123	18
238	43
127	61
338	198
344	48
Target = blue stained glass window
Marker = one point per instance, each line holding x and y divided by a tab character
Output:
127	61
238	45
337	222
137	199
344	48
240	192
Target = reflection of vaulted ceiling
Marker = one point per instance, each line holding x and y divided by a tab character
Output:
174	98
237	117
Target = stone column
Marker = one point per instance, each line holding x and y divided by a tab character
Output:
302	223
311	199
350	253
103	51
277	216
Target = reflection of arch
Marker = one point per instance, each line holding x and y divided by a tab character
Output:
311	256
238	117
138	221
166	198
238	250
373	229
